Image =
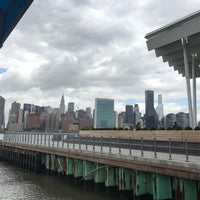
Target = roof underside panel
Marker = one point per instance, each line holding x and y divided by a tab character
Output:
167	42
11	12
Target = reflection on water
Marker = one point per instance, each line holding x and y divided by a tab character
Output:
18	184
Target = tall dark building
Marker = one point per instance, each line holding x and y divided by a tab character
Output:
71	106
15	107
2	106
27	107
129	116
14	112
150	113
70	110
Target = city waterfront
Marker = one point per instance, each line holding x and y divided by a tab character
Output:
83	167
20	184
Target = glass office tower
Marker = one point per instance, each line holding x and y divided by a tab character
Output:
150	113
104	113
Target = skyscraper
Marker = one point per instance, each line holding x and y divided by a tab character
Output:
71	106
104	113
62	105
182	119
70	110
150	113
121	119
89	112
2	107
27	107
159	108
137	114
15	107
14	112
129	116
170	119
116	122
26	111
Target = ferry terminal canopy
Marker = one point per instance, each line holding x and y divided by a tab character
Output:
167	42
11	11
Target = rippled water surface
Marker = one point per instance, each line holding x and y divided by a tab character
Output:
19	184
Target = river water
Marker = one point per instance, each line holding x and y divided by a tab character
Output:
19	184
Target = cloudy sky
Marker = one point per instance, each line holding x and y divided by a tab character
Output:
91	48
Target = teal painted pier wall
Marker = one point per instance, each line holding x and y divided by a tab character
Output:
134	184
137	184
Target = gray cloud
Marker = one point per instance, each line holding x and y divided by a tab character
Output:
13	81
90	48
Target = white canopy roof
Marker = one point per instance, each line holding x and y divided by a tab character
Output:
166	42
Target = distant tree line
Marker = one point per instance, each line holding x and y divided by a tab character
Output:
177	128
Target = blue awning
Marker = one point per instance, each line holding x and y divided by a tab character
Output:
11	11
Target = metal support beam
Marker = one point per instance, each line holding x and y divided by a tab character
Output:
99	173
110	180
187	77
78	168
88	170
194	91
190	189
125	179
162	187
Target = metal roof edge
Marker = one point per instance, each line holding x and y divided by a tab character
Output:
15	22
174	23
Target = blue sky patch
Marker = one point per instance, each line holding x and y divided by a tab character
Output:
2	70
126	101
178	101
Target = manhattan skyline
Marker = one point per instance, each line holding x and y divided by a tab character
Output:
91	49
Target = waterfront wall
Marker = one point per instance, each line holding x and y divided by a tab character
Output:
181	135
138	177
30	160
132	183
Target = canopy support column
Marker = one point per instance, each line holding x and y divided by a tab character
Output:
187	77
194	91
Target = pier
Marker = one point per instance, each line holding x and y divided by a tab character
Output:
140	168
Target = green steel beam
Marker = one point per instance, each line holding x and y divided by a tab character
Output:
143	183
125	179
190	190
78	168
70	166
88	170
111	179
162	188
100	173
